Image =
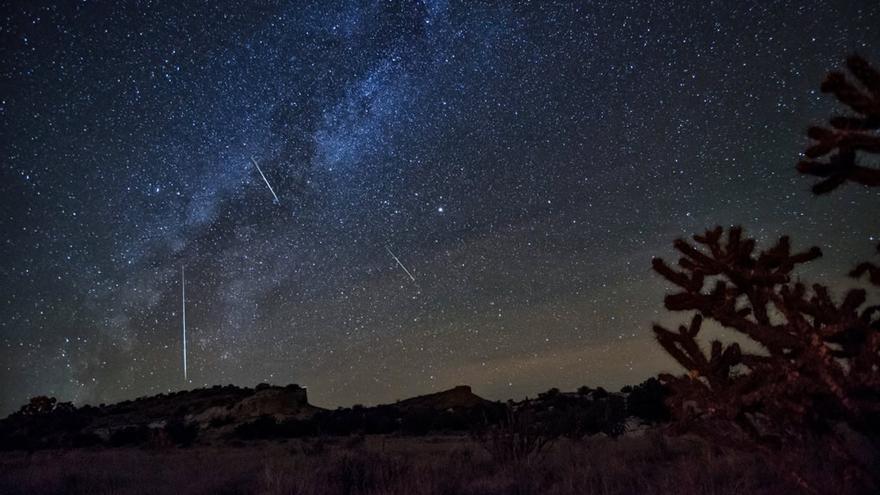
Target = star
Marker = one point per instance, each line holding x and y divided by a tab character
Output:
569	143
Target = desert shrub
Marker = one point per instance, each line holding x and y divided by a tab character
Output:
129	435
549	394
297	428
418	422
182	433
38	406
647	401
576	416
315	446
517	437
378	420
220	421
261	428
43	423
607	416
85	440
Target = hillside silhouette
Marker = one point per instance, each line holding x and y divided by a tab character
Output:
223	414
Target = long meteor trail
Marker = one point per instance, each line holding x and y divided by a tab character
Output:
399	263
265	180
183	307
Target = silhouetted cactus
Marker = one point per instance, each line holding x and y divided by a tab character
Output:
871	269
819	360
818	366
816	372
848	135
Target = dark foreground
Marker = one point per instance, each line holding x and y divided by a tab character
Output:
407	465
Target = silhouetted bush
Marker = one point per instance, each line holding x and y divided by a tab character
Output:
220	421
647	401
549	394
261	428
517	437
130	436
182	433
85	440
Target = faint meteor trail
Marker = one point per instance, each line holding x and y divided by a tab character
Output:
183	306
265	180
399	263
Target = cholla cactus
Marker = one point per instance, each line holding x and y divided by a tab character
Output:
818	364
818	360
848	135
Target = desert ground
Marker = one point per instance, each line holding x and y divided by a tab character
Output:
376	464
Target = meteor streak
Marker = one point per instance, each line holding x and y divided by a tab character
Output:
183	307
399	263
265	180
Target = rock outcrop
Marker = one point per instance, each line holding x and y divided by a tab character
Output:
279	402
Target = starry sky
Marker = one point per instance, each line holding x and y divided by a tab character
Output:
524	161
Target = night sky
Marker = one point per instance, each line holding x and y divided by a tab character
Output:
523	161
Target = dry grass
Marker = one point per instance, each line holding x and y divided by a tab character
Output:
395	465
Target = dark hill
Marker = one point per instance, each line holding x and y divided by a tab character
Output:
460	397
177	417
221	414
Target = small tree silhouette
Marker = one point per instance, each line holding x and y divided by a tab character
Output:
38	406
42	405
